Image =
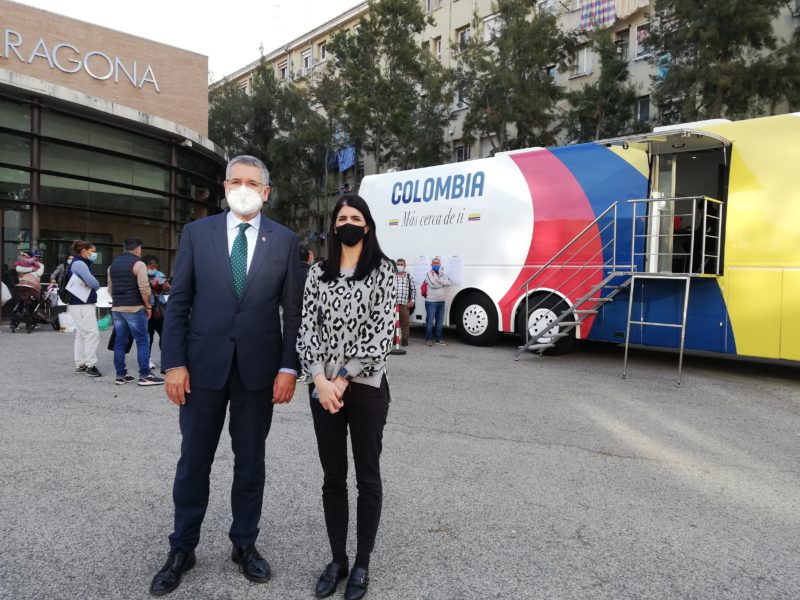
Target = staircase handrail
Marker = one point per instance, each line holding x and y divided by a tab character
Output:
611	208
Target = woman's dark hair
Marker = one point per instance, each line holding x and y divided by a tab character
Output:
79	246
150	259
371	253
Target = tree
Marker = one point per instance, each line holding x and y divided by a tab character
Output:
778	75
507	80
391	86
278	124
606	107
291	137
708	56
789	73
229	112
262	128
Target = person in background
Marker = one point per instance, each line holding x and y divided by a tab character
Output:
83	312
30	262
406	295
59	270
131	308
306	260
434	303
346	332
159	287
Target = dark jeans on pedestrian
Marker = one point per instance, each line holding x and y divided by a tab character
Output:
156	325
364	413
201	420
134	325
434	310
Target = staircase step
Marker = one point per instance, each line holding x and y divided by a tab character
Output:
605	299
586	312
551	336
537	347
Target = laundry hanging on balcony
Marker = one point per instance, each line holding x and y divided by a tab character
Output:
598	14
347	158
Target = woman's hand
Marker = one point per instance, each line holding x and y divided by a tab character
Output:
329	395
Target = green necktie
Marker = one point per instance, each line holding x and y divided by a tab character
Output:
239	260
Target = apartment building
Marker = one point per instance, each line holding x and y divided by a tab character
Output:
454	24
304	57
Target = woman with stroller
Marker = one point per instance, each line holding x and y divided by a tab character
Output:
87	334
345	335
30	263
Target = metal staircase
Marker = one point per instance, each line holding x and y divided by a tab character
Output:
615	278
654	250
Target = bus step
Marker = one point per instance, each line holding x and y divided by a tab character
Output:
537	347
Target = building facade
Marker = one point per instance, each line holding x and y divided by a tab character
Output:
454	24
102	137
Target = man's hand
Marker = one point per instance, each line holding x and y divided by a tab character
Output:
177	385
283	388
329	395
148	312
411	305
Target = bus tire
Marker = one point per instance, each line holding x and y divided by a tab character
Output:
476	320
547	312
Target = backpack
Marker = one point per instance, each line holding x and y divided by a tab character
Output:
424	289
63	294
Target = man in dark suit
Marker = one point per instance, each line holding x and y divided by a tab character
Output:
223	343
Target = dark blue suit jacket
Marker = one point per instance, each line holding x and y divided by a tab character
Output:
206	324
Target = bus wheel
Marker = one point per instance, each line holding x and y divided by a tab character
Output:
476	320
539	319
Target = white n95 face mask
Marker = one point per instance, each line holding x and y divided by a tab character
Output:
244	201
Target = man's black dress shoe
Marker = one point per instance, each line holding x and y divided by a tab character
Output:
169	577
357	584
330	578
251	563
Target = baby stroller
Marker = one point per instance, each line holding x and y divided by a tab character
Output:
30	307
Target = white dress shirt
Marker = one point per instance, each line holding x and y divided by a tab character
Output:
251	233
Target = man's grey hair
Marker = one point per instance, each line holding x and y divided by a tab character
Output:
252	161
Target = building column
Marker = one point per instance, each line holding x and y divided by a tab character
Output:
173	208
36	129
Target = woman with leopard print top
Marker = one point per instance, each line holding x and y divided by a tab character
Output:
345	335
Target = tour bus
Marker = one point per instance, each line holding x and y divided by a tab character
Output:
686	236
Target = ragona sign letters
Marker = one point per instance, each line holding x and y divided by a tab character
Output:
452	187
67	59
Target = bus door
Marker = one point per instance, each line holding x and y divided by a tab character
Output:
685	213
679	230
660	215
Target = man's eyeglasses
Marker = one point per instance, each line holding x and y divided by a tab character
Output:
249	183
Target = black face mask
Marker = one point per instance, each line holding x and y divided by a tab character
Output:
350	234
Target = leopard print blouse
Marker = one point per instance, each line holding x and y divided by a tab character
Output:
348	323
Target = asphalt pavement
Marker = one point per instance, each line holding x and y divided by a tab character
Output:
543	478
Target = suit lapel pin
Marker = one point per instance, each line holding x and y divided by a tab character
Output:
263	239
